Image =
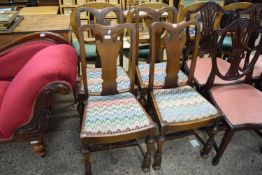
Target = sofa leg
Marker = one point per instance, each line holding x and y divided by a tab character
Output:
38	147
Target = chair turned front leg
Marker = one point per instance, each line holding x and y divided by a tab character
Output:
158	155
226	138
86	158
38	147
150	144
210	142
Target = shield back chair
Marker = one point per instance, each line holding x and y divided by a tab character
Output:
150	13
93	12
177	108
114	117
206	13
230	14
255	15
210	13
99	11
33	68
239	101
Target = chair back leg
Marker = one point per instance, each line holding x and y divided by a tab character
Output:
225	141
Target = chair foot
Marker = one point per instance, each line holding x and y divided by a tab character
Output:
157	161
86	157
215	161
158	155
210	142
150	143
38	147
225	141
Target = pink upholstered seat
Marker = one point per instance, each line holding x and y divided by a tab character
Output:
203	69
3	87
240	103
258	67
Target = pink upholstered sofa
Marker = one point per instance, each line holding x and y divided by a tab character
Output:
33	68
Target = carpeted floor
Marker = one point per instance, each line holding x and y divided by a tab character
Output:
242	156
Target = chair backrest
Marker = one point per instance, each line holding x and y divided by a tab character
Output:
96	10
151	12
231	13
206	14
240	31
145	14
174	42
254	12
255	15
109	42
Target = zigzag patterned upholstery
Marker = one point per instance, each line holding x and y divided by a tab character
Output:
182	104
159	76
113	114
95	81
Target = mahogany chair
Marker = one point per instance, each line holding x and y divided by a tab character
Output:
94	12
147	14
177	108
210	14
150	13
206	14
255	15
33	69
99	13
239	101
115	117
231	14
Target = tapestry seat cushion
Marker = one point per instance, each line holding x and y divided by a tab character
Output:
95	81
182	104
159	76
113	114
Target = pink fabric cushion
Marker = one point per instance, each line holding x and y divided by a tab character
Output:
240	103
203	69
55	63
258	67
15	58
3	87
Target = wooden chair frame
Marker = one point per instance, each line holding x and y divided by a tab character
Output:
108	38
255	15
154	13
242	30
209	12
174	45
99	11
